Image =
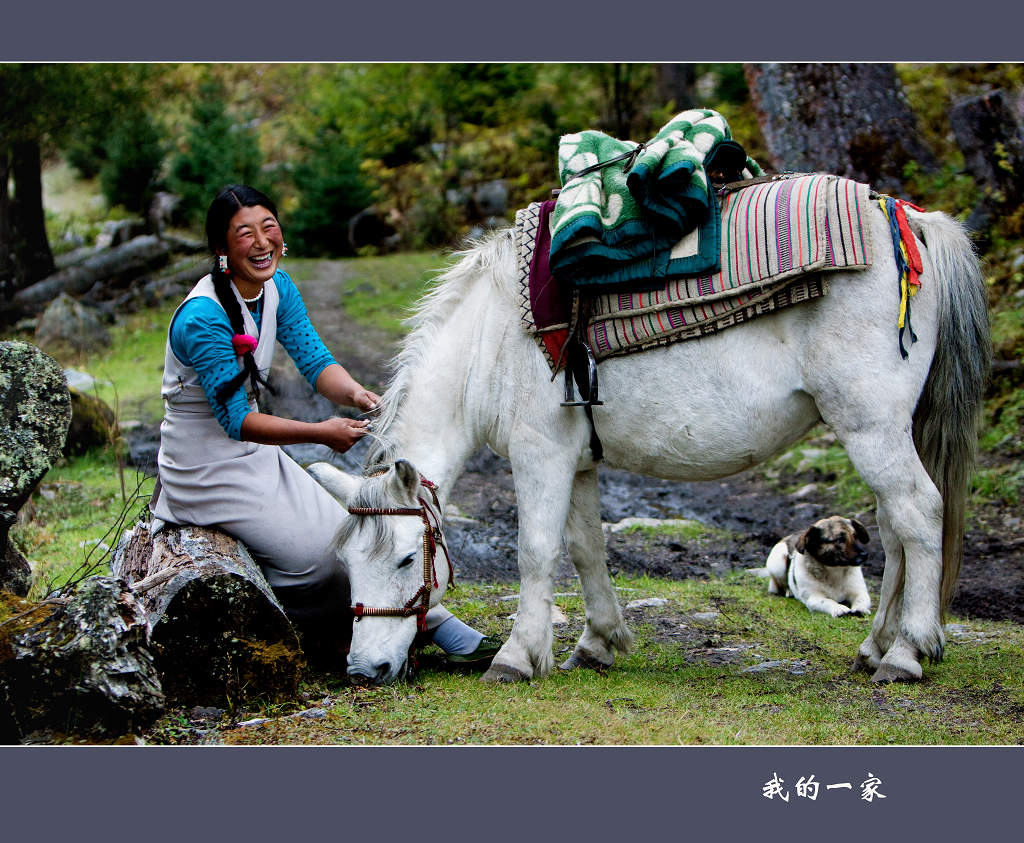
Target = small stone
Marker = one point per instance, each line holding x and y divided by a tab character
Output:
706	617
646	602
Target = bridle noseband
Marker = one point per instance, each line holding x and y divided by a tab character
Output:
432	539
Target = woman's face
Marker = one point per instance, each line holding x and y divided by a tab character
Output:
254	242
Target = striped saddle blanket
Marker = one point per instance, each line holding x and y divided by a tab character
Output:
778	236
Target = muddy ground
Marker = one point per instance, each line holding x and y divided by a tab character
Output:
748	512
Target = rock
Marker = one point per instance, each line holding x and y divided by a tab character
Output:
989	134
15	572
92	424
143	447
69	323
491	199
35	411
371	228
646	602
705	617
161	210
118	232
78	665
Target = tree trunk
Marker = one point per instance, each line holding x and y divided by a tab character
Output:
33	248
217	632
848	119
675	83
7	282
113	266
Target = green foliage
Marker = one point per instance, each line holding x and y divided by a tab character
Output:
331	190
110	98
219	150
135	151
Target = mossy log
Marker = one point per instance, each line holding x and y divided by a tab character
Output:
217	632
76	665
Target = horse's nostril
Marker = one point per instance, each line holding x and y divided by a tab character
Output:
383	671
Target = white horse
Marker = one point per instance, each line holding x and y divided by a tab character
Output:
468	374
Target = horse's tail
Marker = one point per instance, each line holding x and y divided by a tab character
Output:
948	413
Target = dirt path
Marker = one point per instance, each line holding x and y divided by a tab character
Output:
747	512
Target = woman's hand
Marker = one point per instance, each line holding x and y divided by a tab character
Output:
340	434
365	400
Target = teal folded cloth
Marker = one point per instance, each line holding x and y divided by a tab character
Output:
618	224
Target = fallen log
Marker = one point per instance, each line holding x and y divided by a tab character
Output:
122	263
76	665
173	284
217	632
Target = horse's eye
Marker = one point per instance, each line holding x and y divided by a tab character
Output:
407	561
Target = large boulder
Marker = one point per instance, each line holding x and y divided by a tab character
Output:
35	411
69	323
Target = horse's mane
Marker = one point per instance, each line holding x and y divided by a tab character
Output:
482	258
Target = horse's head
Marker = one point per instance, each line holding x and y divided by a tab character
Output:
393	551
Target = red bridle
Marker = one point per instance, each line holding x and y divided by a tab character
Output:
433	538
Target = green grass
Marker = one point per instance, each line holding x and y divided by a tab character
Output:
78	508
381	290
671	690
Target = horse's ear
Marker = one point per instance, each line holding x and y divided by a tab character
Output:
343	486
860	532
405	482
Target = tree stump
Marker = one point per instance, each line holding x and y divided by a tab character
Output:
217	632
35	411
77	665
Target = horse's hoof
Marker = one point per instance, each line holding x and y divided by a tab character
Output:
581	659
862	664
503	673
888	673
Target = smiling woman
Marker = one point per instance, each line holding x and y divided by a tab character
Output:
220	463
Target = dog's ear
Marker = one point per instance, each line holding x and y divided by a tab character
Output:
809	541
860	531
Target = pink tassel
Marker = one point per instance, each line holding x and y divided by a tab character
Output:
243	343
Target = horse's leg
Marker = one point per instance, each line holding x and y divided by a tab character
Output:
885	625
888	462
605	630
543	471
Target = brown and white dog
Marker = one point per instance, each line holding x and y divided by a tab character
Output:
820	567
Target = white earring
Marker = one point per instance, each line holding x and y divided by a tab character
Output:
222	263
284	249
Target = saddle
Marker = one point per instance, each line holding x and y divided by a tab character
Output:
778	235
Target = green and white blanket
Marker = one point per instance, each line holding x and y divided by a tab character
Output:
619	224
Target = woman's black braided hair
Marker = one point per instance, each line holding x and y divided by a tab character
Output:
218	218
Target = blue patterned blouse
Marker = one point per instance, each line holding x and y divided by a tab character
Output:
201	338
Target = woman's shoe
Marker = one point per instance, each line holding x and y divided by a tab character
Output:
478	659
